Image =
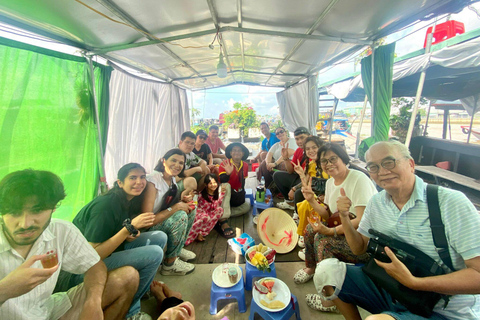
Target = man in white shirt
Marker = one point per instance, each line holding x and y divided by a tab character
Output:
27	201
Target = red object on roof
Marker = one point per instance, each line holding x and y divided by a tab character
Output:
444	31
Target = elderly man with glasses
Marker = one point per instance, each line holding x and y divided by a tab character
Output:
400	211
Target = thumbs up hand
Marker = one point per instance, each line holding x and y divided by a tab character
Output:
343	204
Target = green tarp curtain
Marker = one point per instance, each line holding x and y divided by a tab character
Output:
47	118
383	83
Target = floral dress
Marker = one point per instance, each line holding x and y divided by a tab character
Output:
208	214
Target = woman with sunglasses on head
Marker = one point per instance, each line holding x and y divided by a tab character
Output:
274	159
109	225
174	212
321	241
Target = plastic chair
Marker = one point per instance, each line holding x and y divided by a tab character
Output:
285	314
252	272
236	292
444	31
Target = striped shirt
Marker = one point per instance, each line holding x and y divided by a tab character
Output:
75	255
412	225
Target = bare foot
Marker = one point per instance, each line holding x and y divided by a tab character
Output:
170	293
156	288
309	271
200	238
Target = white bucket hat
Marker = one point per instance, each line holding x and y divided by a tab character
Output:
330	272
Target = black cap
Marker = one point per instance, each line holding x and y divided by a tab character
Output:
301	130
201	133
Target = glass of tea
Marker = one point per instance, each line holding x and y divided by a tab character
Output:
51	260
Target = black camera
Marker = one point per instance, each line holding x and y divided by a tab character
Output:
376	247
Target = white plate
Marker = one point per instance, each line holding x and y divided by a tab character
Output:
254	247
282	291
220	278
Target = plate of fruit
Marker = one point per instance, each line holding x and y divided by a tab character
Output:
260	256
271	294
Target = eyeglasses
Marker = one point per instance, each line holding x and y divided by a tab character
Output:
279	132
388	164
332	160
203	137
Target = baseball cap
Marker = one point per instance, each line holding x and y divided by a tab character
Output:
330	272
202	133
301	130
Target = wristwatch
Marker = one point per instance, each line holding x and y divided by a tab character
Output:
127	223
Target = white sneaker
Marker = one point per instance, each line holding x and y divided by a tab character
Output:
187	255
284	205
255	219
301	242
301	254
296	218
140	316
179	268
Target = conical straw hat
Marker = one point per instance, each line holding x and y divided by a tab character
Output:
277	230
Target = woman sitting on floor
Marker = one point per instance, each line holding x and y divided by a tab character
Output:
174	212
209	209
105	223
322	242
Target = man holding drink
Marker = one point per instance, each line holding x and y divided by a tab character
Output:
29	238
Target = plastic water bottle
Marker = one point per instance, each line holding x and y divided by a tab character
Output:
262	182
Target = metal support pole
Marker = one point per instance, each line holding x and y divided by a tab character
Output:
359	130
372	103
101	161
428	116
471	124
335	104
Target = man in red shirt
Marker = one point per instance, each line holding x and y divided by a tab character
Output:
216	145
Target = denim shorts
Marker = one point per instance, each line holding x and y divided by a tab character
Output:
359	290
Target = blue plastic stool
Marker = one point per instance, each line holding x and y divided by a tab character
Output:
285	314
236	292
252	272
263	205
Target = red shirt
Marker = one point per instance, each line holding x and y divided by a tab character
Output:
235	180
298	156
215	145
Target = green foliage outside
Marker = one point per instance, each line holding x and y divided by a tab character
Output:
400	122
242	117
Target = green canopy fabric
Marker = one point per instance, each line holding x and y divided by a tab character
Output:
384	58
48	120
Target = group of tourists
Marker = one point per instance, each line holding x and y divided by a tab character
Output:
109	256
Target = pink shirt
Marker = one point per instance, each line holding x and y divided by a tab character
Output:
217	144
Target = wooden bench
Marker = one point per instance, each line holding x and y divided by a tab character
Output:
449	175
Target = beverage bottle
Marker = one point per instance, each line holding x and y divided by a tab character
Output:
262	183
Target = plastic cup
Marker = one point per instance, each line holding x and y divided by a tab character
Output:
51	260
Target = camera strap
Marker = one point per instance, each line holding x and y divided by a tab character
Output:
437	226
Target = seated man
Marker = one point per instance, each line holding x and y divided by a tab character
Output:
269	140
27	200
202	150
286	180
216	145
194	166
400	211
232	176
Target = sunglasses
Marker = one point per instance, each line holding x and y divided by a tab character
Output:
203	137
279	132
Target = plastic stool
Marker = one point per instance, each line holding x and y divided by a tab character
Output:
252	272
249	195
255	166
285	314
236	292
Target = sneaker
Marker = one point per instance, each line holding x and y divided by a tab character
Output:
255	219
187	255
301	242
179	268
140	316
296	218
301	254
284	205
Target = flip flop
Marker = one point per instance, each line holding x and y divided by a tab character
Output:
227	233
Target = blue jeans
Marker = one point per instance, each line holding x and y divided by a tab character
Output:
359	289
145	254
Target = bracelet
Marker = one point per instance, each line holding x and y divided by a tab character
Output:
335	232
130	228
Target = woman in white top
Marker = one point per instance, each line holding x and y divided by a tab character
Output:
274	159
174	213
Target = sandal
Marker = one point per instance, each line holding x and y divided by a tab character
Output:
314	301
227	233
302	277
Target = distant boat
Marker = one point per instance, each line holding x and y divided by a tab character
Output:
475	132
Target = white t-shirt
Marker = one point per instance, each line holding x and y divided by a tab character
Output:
276	149
358	188
161	185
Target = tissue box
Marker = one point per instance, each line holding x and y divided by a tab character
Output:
241	244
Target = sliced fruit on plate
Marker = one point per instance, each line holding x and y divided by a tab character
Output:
251	254
260	287
269	283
